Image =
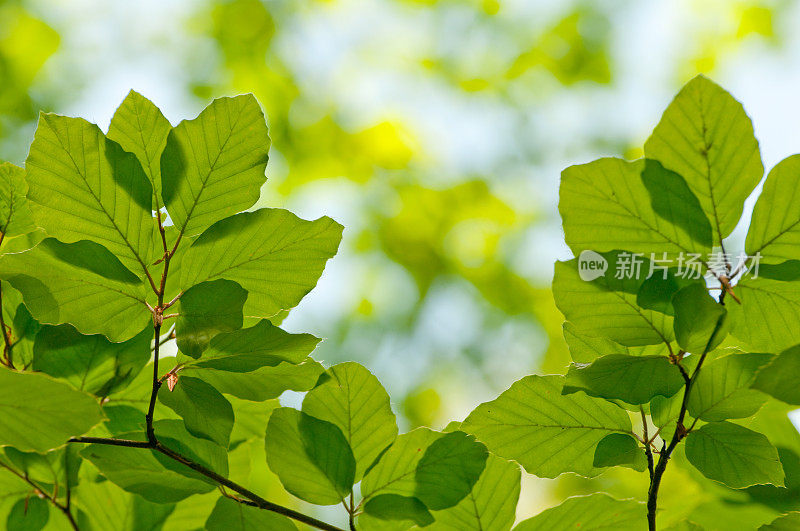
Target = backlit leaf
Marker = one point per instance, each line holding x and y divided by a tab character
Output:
354	400
274	255
546	432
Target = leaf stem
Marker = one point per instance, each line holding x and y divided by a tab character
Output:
648	452
52	499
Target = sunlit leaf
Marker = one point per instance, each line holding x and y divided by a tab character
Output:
206	310
81	284
721	390
491	505
213	166
606	306
780	377
274	255
546	432
593	512
734	455
310	456
249	349
140	128
39	413
354	400
90	363
632	379
230	515
205	412
706	137
638	206
15	213
84	186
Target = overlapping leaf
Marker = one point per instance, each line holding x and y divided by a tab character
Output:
639	206
593	512
546	432
722	391
632	379
249	349
213	166
34	414
15	213
310	456
81	284
274	255
205	412
734	455
140	128
355	401
706	137
90	363
83	186
606	306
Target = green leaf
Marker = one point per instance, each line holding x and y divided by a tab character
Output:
775	226
213	166
140	472
105	506
721	390
768	319
90	363
354	400
589	513
705	136
84	186
607	307
639	206
264	383
617	449
230	515
632	379
81	284
249	349
140	128
394	472
438	469
206	310
28	514
585	349
274	255
33	415
394	507
449	469
23	326
700	323
492	503
205	412
15	213
780	377
734	455
310	456
173	434
546	432
787	522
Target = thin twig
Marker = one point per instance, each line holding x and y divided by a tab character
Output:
647	451
52	499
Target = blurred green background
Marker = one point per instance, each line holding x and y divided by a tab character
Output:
435	131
